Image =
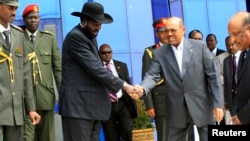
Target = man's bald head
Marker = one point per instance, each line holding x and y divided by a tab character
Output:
175	30
239	29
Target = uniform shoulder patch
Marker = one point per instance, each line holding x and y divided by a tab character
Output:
16	27
47	32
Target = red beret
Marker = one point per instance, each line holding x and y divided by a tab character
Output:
30	8
160	23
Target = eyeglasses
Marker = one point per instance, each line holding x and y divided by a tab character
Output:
106	52
239	33
172	30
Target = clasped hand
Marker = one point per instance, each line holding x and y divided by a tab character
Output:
135	92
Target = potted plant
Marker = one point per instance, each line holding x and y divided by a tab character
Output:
143	129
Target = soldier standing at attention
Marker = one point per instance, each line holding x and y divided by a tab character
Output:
45	58
16	97
155	101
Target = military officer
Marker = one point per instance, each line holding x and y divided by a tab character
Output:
156	99
45	58
16	97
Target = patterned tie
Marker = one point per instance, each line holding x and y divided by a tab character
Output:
234	73
113	97
6	34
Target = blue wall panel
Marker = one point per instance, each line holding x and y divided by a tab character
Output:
69	21
116	33
48	8
176	8
218	18
195	18
211	16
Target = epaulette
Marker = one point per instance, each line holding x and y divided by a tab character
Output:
16	27
48	32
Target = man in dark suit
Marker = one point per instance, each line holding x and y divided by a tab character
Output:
211	41
232	50
238	99
118	126
45	58
16	92
192	85
84	95
155	100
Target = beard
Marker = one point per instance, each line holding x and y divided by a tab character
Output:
90	33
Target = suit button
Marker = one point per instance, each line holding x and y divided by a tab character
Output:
13	94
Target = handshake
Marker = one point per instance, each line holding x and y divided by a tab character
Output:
135	92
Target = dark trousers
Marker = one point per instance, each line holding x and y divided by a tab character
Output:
181	134
161	128
11	133
75	129
119	125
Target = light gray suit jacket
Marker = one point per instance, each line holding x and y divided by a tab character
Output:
197	90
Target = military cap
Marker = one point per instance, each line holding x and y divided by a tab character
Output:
160	24
10	2
29	9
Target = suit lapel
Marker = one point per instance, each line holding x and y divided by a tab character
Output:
187	53
38	40
242	66
118	68
13	39
27	41
170	57
2	41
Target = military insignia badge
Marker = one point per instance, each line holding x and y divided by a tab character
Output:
19	51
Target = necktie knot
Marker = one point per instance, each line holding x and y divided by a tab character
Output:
6	34
32	38
108	67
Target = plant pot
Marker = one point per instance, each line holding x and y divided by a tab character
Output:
143	134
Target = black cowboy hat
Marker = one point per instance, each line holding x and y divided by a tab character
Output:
95	11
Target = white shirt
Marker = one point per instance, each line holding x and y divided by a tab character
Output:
214	51
178	52
237	55
2	29
113	69
29	33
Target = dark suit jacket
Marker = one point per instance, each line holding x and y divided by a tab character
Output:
85	80
122	71
196	91
239	104
219	51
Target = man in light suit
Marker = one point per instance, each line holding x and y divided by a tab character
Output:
211	41
192	83
119	125
238	100
84	95
45	58
16	93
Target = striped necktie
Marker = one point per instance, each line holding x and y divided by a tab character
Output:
113	97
